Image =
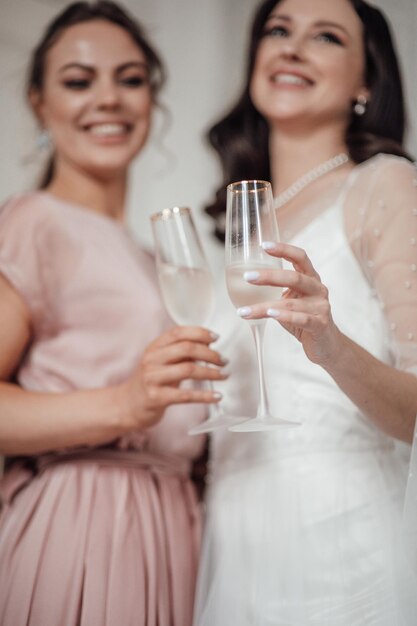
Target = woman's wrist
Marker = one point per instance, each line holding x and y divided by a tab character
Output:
131	412
336	357
123	415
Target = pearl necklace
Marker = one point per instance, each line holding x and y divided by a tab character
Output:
310	177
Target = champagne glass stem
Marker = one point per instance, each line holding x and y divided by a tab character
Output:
216	417
214	409
264	420
258	332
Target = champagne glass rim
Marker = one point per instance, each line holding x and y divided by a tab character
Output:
241	186
170	212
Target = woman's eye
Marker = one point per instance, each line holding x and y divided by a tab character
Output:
276	31
134	81
329	38
78	83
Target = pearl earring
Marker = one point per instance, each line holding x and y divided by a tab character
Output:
44	140
359	107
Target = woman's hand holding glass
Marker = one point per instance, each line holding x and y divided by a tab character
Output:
304	308
182	353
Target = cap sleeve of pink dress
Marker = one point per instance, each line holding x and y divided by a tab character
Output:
107	536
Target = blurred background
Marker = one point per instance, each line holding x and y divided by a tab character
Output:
203	43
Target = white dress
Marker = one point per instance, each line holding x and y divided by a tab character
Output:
304	525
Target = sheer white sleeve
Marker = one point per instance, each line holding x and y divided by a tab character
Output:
381	224
381	217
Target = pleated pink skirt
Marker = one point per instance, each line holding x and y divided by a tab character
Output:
99	542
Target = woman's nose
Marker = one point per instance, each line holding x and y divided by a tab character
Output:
293	48
107	95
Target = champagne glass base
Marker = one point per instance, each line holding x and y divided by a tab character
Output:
215	423
264	423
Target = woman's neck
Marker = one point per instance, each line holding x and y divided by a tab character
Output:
294	154
103	195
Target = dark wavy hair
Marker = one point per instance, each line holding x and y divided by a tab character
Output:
77	13
241	137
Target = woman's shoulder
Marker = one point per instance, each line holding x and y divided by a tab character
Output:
27	209
43	211
386	176
385	164
384	193
25	200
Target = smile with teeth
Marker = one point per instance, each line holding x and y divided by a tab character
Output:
290	79
108	130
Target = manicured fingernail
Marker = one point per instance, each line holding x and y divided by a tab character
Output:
244	311
251	276
217	395
214	336
223	360
273	313
268	245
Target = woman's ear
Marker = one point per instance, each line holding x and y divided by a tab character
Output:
35	101
363	94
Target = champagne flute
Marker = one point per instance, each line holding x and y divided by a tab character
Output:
186	284
250	220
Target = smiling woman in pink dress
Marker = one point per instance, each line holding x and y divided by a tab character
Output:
100	521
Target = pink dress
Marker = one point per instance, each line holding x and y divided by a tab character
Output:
110	535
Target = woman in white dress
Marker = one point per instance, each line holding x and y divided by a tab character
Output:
304	525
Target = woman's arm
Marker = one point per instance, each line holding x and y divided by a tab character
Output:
381	222
386	395
32	422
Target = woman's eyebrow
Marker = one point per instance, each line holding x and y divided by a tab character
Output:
132	64
90	68
76	65
327	24
320	23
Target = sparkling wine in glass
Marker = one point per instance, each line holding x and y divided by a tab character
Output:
186	284
250	220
